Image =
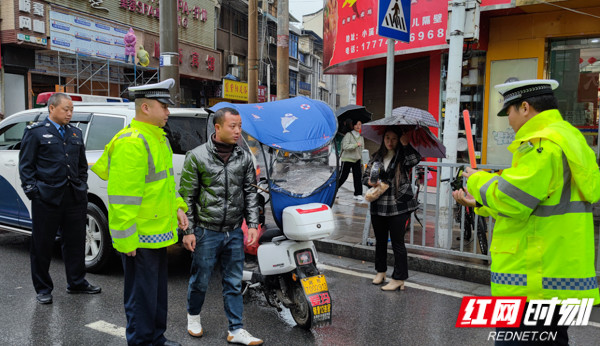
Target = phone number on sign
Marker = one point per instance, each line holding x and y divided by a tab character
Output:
380	42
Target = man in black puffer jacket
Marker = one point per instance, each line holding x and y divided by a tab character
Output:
216	183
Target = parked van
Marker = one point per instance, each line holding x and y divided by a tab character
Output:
186	129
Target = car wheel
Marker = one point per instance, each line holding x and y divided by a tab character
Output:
98	245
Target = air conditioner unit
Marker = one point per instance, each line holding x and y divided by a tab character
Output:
272	40
232	60
234	71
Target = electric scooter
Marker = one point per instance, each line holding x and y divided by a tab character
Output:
300	161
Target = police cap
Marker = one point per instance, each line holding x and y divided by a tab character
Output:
157	91
515	90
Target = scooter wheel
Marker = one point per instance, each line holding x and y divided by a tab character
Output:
301	309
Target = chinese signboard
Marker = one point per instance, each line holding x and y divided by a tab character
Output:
350	29
86	36
30	23
235	90
194	22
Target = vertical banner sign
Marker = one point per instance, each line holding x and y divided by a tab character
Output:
394	19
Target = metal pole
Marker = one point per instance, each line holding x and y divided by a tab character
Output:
2	96
389	77
283	50
169	52
252	51
450	132
268	82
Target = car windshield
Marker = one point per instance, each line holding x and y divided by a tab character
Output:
185	133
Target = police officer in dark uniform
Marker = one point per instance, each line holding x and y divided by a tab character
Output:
53	170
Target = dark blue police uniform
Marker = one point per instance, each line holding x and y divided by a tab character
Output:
53	173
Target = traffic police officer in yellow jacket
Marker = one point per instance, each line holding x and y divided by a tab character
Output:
144	211
543	243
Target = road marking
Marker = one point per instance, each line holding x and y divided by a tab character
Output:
406	283
108	328
413	285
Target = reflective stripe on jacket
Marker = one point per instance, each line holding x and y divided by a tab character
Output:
142	199
543	241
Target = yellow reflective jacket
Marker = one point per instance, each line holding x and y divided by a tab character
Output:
543	240
142	199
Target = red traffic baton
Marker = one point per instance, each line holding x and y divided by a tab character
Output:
467	120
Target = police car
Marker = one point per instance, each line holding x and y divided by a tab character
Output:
99	122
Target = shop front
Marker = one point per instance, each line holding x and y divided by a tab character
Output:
352	46
233	91
544	42
22	33
101	48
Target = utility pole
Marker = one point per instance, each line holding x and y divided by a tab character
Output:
252	51
389	77
453	85
283	50
169	52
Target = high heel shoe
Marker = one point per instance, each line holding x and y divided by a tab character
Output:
394	285
379	279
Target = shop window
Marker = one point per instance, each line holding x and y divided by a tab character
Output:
575	64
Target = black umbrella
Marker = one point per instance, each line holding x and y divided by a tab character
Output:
353	113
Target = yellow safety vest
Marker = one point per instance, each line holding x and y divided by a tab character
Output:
142	199
543	240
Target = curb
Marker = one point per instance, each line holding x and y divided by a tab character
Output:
459	270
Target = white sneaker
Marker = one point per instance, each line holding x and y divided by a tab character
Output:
195	326
241	336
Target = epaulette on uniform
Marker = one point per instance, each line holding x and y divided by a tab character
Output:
34	125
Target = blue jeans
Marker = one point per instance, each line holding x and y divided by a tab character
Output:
228	248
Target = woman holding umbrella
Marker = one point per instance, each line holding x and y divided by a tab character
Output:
352	146
390	212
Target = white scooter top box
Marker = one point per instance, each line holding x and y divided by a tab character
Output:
308	221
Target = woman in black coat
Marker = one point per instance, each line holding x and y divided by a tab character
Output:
390	212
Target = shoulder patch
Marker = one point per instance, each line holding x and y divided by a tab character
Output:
525	147
34	125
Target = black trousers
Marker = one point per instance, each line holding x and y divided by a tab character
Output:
561	333
395	227
70	217
356	175
145	296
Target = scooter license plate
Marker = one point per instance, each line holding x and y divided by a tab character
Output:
314	284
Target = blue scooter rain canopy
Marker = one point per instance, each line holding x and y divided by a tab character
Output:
297	124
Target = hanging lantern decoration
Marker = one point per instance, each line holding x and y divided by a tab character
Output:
580	61
592	60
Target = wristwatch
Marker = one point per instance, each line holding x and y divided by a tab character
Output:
188	231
